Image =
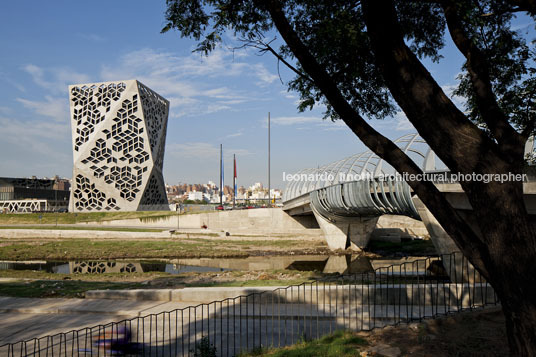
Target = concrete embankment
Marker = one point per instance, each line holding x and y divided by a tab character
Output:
264	222
68	233
260	221
379	294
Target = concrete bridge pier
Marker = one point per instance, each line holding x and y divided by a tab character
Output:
343	233
459	270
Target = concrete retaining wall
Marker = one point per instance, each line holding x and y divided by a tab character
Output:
401	226
258	221
50	233
384	294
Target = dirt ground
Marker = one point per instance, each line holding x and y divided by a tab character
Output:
478	333
235	277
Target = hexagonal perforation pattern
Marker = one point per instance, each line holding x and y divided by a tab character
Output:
123	159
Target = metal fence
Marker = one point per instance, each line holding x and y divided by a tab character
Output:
388	296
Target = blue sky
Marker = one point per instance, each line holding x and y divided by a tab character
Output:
224	98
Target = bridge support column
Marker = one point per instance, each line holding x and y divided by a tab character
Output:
353	233
459	270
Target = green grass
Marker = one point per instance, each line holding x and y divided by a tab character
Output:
338	344
79	248
73	218
51	288
75	228
104	277
69	249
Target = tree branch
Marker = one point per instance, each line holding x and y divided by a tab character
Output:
478	69
525	5
291	67
265	47
527	131
466	239
446	129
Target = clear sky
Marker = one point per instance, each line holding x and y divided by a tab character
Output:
225	98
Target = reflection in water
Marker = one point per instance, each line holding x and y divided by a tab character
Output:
178	269
342	264
100	267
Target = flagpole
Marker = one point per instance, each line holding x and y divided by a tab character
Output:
269	200
221	174
234	179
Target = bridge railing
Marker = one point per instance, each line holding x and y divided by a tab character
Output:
386	296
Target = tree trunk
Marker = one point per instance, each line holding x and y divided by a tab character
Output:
500	212
504	248
508	245
520	327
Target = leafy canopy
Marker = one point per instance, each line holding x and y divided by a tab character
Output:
336	35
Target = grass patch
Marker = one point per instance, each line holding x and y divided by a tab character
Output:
413	247
73	285
338	344
70	249
80	248
75	228
104	277
73	218
50	288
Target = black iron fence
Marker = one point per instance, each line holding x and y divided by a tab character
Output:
388	296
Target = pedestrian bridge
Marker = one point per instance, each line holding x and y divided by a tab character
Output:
347	196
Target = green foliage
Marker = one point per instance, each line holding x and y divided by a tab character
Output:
204	348
338	344
335	34
510	62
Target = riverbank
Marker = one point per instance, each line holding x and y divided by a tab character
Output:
39	284
102	247
476	333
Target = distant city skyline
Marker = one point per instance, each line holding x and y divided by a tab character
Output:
220	99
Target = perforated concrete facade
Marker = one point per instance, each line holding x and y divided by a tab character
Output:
119	136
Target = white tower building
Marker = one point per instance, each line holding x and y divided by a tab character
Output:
119	135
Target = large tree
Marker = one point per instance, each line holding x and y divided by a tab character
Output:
364	58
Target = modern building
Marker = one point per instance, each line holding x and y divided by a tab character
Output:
198	196
26	195
118	135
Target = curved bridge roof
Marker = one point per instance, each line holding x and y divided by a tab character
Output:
364	184
362	165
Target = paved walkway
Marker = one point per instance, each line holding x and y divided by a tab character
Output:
24	318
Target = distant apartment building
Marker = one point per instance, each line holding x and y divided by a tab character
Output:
209	192
275	194
198	196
